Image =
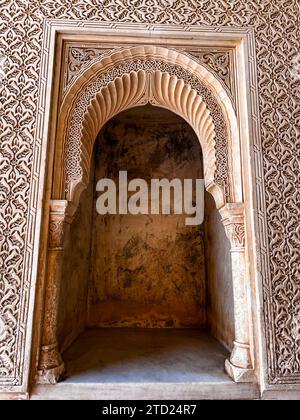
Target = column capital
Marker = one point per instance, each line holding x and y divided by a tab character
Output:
234	222
62	210
61	214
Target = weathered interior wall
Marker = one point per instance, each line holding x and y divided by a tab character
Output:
148	270
220	315
76	268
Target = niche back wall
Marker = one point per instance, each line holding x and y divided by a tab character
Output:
147	270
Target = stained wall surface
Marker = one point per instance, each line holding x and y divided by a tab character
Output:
147	270
220	314
76	272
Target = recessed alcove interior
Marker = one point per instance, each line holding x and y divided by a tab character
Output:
145	297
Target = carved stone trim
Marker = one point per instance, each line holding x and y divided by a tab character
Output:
217	61
238	374
233	221
236	235
138	88
75	170
51	367
61	215
240	366
80	57
163	77
56	234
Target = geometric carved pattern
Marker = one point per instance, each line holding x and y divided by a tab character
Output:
126	79
277	40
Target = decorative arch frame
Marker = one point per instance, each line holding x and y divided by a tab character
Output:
125	79
163	77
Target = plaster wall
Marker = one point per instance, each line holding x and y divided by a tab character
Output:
76	272
147	270
220	314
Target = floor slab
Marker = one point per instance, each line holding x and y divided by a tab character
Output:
146	364
145	355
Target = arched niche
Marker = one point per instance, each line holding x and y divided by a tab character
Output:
169	79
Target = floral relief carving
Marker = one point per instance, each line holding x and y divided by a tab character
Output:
277	33
56	234
6	338
236	234
217	61
78	57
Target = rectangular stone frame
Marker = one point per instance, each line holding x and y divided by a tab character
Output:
55	32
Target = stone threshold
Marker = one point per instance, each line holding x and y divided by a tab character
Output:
146	391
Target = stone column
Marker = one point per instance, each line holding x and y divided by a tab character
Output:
240	366
51	366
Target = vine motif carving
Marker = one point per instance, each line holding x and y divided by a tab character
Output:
279	111
296	332
7	324
236	234
56	234
217	61
79	56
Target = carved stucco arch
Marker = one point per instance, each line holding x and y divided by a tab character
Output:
136	76
172	80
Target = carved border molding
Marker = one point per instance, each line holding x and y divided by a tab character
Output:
167	78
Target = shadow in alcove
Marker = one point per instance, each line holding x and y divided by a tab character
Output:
136	270
115	355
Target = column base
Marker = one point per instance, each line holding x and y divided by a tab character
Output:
239	374
51	366
241	356
50	376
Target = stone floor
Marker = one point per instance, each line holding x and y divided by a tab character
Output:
145	355
145	364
